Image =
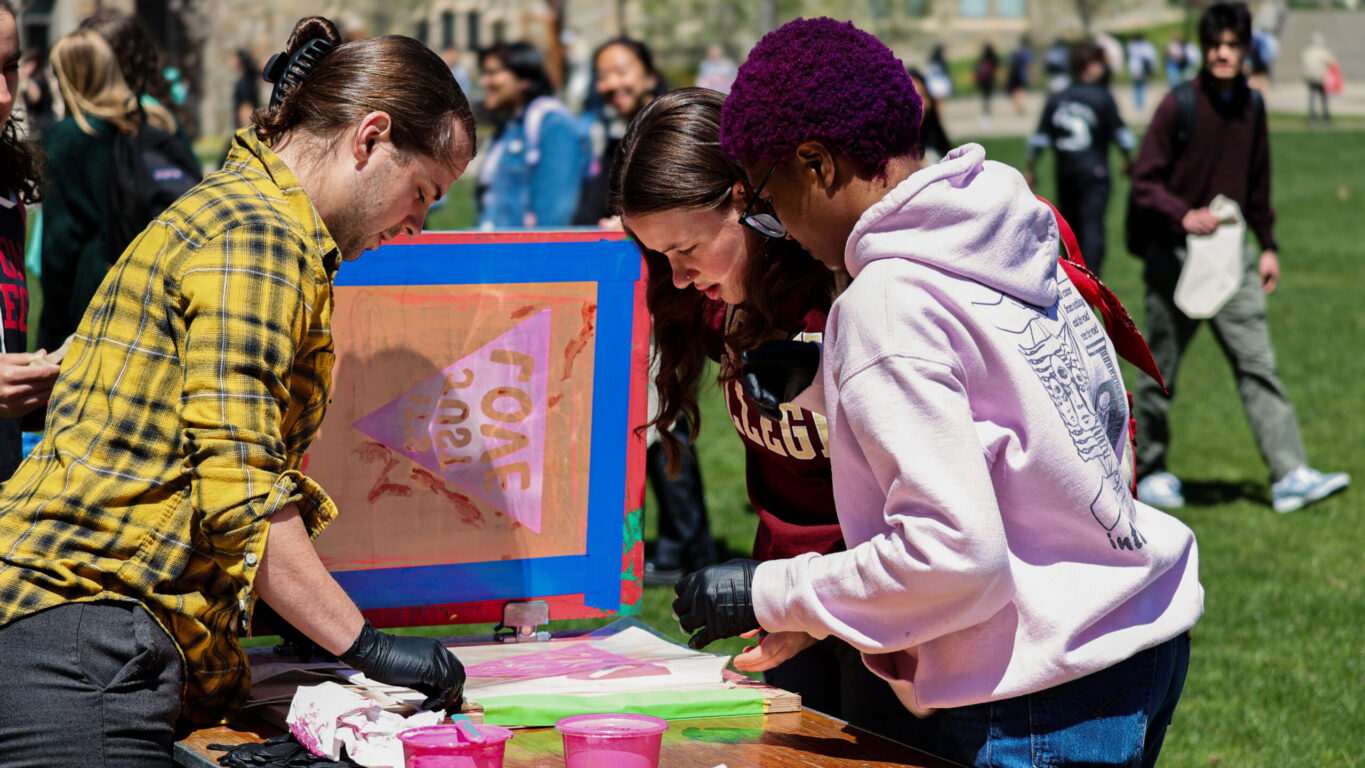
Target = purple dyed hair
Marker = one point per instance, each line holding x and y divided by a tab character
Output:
821	80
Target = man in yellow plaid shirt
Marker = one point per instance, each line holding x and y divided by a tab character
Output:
166	493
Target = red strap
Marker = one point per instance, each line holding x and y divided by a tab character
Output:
1128	341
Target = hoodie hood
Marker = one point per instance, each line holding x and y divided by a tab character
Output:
967	216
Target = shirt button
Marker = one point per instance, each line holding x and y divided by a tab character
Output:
251	558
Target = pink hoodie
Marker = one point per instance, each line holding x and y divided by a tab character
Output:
976	420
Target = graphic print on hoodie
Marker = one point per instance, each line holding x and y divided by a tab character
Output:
1057	342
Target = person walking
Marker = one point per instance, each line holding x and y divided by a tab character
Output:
1177	59
1318	62
167	493
1142	61
1175	180
984	74
1080	123
1020	73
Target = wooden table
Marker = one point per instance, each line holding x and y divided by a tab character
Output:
805	739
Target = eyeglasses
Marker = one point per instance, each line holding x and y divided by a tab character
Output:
765	224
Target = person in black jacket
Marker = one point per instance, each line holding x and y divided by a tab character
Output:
1080	122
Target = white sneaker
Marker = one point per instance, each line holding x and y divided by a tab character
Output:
1160	490
1304	486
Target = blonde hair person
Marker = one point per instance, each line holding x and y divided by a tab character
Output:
91	85
82	236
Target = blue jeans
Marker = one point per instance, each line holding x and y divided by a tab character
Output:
1115	717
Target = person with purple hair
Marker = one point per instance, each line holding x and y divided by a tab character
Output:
999	573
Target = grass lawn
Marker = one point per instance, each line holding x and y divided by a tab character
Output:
1277	676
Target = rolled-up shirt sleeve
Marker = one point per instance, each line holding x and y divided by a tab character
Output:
245	299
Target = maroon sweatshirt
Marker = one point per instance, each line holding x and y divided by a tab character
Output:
1228	152
787	465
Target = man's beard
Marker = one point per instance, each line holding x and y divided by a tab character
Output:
351	230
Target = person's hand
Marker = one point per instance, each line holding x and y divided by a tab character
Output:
773	650
1269	269
776	371
716	602
25	382
1199	221
419	663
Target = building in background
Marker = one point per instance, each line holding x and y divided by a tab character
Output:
199	37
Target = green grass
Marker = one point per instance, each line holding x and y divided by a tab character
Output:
1277	676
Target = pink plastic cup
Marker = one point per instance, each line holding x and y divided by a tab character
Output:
612	741
448	746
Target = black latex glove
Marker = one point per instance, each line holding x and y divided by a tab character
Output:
419	663
776	371
283	751
716	602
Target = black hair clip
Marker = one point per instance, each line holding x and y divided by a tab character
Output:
288	73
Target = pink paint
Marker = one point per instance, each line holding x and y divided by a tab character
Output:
612	740
572	658
448	746
479	424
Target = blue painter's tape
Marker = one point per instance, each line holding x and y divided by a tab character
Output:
474	263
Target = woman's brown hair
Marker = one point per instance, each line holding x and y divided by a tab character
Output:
392	73
20	166
670	159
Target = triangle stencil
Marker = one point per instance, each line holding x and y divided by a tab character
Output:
480	422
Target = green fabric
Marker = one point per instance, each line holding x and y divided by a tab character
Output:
542	710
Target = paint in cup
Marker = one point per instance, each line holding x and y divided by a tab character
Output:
612	740
450	746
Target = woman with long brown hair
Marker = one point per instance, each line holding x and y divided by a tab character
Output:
716	290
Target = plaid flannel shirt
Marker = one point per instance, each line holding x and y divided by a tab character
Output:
196	381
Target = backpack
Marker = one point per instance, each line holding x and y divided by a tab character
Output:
1140	223
536	112
151	169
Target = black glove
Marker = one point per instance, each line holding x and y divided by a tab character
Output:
282	751
776	371
419	663
716	602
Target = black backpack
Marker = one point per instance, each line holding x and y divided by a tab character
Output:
1140	223
151	170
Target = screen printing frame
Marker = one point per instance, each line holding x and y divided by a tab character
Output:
605	579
